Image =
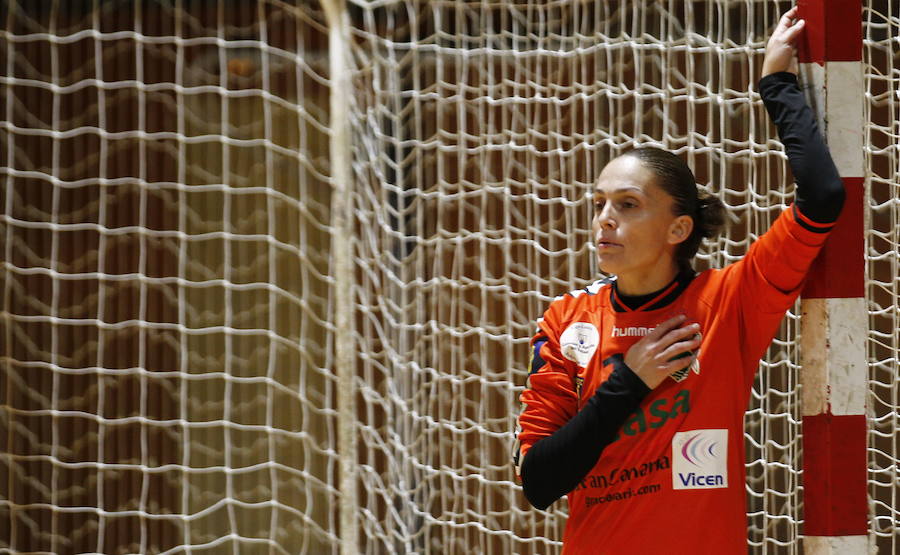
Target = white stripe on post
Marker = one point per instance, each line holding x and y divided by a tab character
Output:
835	545
844	94
833	355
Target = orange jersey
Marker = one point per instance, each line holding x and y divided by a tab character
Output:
673	479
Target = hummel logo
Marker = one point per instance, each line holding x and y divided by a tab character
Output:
630	332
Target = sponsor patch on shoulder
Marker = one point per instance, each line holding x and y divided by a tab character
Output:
579	342
700	459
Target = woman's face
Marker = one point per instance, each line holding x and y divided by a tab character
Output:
635	230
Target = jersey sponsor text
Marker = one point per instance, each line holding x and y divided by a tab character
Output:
624	474
659	411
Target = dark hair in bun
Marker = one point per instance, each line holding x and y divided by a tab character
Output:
676	179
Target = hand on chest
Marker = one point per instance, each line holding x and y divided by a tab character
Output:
596	343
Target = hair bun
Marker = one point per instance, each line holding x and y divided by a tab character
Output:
710	218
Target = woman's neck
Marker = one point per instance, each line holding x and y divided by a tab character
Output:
642	283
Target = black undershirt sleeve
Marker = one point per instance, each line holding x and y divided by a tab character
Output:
557	463
820	190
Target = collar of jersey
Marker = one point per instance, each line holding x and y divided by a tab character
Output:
652	301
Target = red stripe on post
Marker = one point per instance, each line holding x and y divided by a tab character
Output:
833	31
839	270
834	475
843	29
811	48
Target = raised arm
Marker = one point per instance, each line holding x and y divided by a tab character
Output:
820	191
771	274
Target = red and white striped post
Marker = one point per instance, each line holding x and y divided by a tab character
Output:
833	342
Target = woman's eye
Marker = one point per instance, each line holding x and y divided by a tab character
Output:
628	204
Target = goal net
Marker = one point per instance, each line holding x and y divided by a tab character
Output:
168	378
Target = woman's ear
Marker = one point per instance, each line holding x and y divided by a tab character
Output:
680	229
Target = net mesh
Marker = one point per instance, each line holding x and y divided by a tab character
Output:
881	57
168	301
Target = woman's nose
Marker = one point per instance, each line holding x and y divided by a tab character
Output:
606	217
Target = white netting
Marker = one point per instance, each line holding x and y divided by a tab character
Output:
486	125
166	375
168	297
881	57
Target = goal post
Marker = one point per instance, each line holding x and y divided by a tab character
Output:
270	268
833	347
